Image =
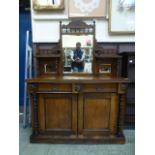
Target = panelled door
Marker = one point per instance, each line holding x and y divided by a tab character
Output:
97	114
87	114
58	113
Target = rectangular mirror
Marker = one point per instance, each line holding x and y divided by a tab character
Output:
78	53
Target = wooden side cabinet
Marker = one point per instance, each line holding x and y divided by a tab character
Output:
77	111
71	107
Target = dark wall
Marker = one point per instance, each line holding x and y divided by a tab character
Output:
24	25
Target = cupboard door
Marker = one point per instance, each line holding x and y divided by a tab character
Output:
97	114
58	114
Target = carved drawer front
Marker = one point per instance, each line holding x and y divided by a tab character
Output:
99	88
55	87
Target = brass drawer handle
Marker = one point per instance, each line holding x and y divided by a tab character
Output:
77	88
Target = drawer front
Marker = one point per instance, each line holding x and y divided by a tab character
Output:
55	87
99	88
78	87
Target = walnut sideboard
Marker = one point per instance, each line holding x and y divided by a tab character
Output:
72	109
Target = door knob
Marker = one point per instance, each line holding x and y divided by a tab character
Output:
77	87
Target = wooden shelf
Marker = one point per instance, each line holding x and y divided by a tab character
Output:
105	49
107	56
50	49
48	56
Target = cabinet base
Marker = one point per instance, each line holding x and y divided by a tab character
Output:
77	139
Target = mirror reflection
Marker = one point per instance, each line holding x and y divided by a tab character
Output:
105	68
78	53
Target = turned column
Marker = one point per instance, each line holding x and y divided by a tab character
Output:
122	101
121	114
33	95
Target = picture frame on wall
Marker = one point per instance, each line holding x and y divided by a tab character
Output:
87	8
122	17
41	5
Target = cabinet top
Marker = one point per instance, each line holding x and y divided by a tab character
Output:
78	79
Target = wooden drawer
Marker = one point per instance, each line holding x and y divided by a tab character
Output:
99	87
55	87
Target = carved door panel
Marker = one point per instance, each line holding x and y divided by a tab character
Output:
58	114
97	114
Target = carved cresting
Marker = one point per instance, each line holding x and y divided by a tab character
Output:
32	88
77	26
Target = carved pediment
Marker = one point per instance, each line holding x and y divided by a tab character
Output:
77	26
